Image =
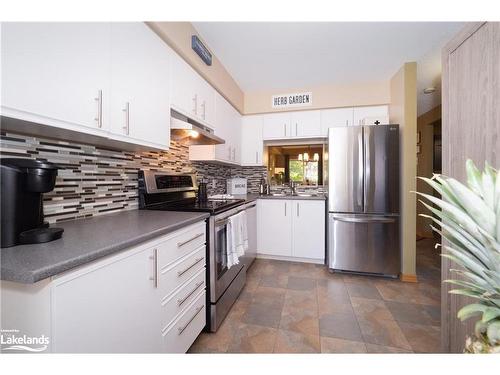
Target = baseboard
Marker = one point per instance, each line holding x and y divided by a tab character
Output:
408	278
291	259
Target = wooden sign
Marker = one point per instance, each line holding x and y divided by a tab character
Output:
301	99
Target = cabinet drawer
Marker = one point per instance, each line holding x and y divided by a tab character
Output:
181	334
174	275
181	244
174	304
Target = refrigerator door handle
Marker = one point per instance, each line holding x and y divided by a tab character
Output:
365	219
360	170
367	184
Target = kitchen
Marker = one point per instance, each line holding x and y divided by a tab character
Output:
138	192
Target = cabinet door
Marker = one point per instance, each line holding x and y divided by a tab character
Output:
308	229
183	98
223	129
52	73
306	124
276	126
235	127
372	113
335	117
206	102
252	144
112	307
140	84
275	227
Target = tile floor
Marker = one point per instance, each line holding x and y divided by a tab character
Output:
290	307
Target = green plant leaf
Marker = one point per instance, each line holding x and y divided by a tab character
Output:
493	333
476	207
470	310
490	313
473	177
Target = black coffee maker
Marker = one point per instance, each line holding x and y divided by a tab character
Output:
22	183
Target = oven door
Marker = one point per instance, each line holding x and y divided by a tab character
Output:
220	275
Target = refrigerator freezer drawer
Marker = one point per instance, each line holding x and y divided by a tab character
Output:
364	243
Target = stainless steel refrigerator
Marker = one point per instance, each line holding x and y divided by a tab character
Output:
363	199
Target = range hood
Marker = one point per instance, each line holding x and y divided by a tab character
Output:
189	131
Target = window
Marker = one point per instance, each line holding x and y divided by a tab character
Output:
304	172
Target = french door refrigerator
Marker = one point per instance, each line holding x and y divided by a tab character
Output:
363	199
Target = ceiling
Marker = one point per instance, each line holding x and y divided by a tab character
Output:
279	55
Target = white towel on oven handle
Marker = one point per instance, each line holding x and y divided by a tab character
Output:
237	239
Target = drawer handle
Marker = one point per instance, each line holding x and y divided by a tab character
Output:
180	273
155	278
180	244
182	300
182	329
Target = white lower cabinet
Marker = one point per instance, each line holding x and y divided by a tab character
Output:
274	227
289	228
109	308
308	229
146	299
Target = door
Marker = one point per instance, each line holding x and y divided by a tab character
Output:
57	73
252	144
276	126
335	117
345	169
140	84
308	229
306	124
371	114
113	308
364	243
381	183
275	227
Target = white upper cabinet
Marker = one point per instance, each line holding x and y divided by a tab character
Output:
57	74
98	79
191	94
252	145
306	124
140	84
277	126
227	127
336	117
370	115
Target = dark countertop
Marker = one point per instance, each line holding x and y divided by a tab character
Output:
86	240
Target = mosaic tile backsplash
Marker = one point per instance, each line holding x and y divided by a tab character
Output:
95	181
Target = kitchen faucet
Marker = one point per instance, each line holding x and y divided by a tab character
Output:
293	187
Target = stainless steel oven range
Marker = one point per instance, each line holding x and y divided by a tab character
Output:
174	192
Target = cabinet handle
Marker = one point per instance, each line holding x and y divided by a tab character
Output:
298	210
180	244
234	153
195	100
181	329
256	157
296	129
127	118
155	278
196	261
229	153
99	109
184	299
204	109
284	127
346	122
285	208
